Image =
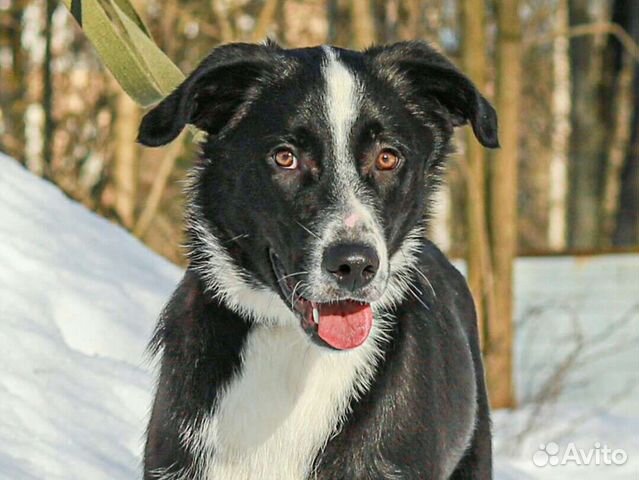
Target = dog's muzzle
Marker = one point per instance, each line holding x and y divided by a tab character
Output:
342	324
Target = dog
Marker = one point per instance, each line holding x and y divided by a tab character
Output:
317	333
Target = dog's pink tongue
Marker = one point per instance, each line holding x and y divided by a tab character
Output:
345	325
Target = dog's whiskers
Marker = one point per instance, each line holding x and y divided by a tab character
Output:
293	299
237	237
308	230
430	285
418	299
301	272
414	290
421	274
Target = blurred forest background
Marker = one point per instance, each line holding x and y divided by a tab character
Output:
563	75
65	118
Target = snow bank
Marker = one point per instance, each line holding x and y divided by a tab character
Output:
78	301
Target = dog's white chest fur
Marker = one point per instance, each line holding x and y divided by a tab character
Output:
273	419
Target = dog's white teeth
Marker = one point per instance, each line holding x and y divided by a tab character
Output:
315	315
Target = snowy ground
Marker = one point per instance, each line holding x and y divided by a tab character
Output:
79	298
78	302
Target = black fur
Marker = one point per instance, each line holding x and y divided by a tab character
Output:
251	100
405	426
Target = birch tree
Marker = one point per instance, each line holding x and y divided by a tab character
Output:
558	178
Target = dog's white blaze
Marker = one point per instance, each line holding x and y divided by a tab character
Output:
342	97
271	422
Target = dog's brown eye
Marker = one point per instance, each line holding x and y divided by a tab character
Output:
285	159
386	160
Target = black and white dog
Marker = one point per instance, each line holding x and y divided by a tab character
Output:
316	333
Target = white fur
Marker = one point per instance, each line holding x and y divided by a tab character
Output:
272	421
342	98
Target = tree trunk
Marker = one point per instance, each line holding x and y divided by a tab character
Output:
414	24
558	186
626	13
627	232
338	13
47	90
622	107
265	20
586	143
503	205
13	101
125	172
477	247
363	24
221	10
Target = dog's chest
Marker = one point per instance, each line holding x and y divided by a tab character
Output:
273	419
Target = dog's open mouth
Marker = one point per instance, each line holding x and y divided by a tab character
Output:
342	325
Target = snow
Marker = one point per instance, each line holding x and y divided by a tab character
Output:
577	326
79	298
566	425
587	307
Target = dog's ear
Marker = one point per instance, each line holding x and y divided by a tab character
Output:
212	94
430	75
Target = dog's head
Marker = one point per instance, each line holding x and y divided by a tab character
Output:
308	202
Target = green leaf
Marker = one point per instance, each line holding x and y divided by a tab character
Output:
130	12
164	72
126	48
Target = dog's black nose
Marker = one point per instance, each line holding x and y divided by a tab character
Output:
352	265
